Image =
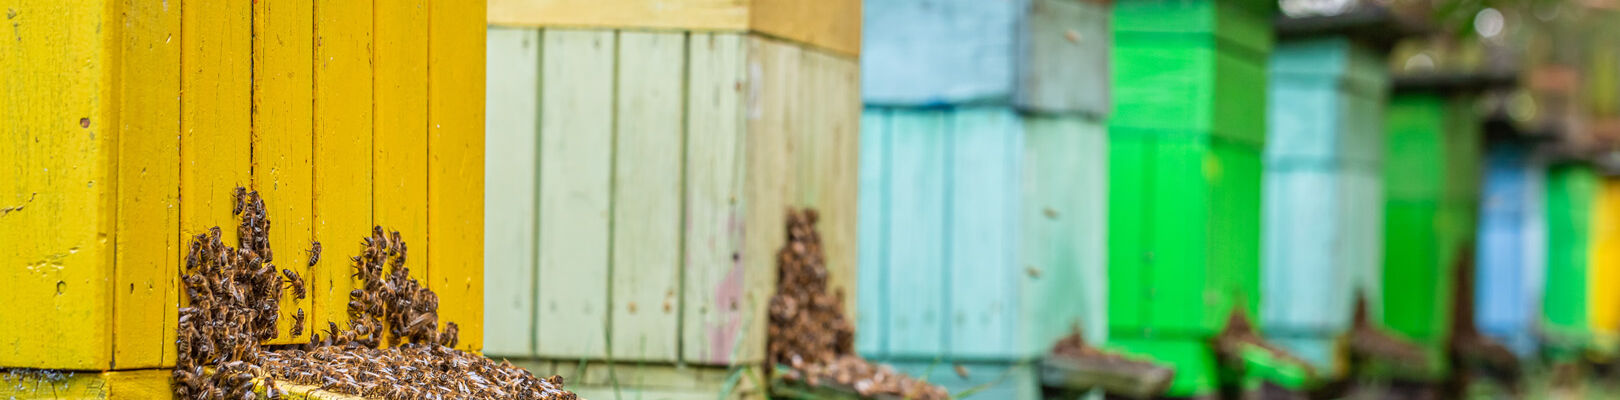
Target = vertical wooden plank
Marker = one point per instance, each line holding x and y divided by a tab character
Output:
646	218
399	143
510	190
576	161
1062	276
917	305
1130	167
714	306
283	46
985	147
56	187
871	320
215	118
149	182
1603	295
342	150
772	112
455	224
841	177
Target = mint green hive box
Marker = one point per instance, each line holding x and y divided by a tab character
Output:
1186	140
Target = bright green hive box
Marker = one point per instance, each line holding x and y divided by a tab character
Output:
1185	142
1431	203
1571	189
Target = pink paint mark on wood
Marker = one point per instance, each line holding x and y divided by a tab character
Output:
728	295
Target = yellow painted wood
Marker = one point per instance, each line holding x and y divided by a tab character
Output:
598	380
148	213
1603	285
576	160
456	165
399	142
282	142
646	218
730	15
829	24
342	150
131	384
215	136
55	184
712	299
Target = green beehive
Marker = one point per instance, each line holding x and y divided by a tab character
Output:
1186	136
1571	189
1431	203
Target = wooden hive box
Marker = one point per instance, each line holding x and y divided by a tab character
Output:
1572	191
1323	192
1185	144
1603	287
982	165
643	158
128	125
1431	201
1512	245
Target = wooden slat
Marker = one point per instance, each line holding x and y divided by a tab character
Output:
56	185
399	153
148	176
282	139
1603	295
872	319
917	320
130	384
456	138
840	180
770	180
215	119
647	220
1063	275
511	150
713	304
576	161
833	25
939	52
983	156
705	15
342	151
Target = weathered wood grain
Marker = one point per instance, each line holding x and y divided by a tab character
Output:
148	183
510	203
399	142
455	161
647	207
714	307
983	156
917	320
283	89
576	164
343	122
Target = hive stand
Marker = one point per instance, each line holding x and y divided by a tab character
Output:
1185	145
983	189
643	157
1324	162
128	124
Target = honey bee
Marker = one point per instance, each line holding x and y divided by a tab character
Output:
237	194
314	253
298	323
295	282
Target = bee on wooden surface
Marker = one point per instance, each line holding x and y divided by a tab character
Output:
314	253
298	323
295	282
237	195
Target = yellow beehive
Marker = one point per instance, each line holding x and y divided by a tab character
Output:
1603	282
125	125
643	155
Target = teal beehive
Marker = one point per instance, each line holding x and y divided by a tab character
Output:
982	185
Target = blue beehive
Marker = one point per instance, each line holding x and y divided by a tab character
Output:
1323	192
1512	250
983	183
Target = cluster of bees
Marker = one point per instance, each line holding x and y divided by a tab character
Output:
234	304
411	372
808	331
235	296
